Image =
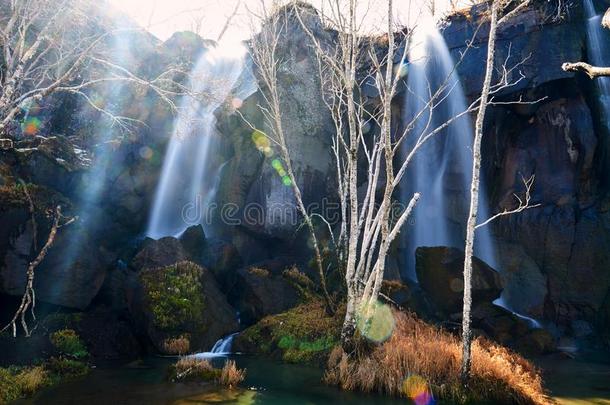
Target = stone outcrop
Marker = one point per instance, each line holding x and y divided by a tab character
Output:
440	271
553	258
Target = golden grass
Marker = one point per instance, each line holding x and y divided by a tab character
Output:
231	375
197	369
417	352
180	345
193	369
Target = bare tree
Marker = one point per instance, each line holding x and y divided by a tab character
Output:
501	12
28	300
62	46
265	56
368	225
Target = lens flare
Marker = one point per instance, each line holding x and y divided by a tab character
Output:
237	102
260	140
146	152
401	70
376	322
286	181
31	126
417	389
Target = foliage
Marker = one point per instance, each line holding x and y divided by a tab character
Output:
175	295
420	359
304	334
69	343
18	382
62	367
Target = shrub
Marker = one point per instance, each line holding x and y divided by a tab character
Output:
230	375
193	369
180	345
68	343
61	367
420	359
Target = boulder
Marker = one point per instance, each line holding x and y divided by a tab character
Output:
193	240
525	288
221	257
159	253
261	290
181	302
440	275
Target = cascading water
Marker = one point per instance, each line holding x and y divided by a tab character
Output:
222	348
441	170
186	183
598	54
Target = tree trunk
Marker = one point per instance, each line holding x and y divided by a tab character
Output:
474	196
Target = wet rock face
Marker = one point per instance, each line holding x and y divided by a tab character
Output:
262	289
254	180
562	245
553	258
524	40
440	273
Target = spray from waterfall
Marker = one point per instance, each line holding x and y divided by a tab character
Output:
598	55
187	179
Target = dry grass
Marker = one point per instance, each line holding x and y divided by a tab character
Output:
193	369
259	272
231	375
180	345
32	379
196	369
420	354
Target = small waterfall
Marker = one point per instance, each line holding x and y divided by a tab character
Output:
222	348
186	182
597	52
442	168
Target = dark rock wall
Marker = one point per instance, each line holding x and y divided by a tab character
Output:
554	258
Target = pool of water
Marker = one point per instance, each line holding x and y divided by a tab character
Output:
267	382
570	382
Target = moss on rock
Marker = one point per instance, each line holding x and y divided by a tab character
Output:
175	296
304	334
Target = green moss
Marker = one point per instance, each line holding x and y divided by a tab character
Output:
175	295
304	334
68	342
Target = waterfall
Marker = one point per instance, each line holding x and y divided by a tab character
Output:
597	53
442	169
187	180
222	348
